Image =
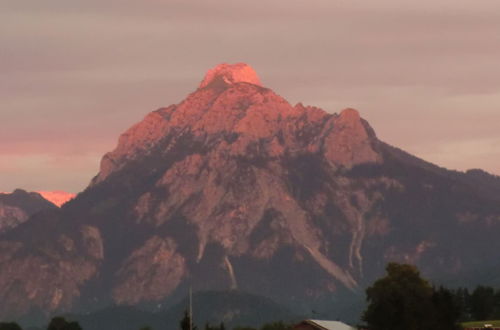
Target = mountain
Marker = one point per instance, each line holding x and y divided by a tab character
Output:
213	307
18	206
234	188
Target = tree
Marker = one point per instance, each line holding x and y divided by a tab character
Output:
462	298
9	326
482	303
447	309
186	321
400	300
220	327
496	313
60	323
276	326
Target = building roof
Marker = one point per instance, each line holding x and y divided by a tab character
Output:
330	325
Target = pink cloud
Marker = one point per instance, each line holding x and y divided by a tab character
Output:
76	75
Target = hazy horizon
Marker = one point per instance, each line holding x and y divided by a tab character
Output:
76	76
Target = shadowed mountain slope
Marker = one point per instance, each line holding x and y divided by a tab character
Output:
18	206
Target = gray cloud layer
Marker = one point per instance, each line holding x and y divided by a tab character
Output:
75	74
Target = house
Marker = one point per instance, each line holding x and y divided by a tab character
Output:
322	325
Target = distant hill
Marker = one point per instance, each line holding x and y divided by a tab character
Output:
18	206
231	307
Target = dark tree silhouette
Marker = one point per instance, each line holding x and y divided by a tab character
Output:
60	323
9	326
220	327
482	303
186	320
404	300
447	309
276	326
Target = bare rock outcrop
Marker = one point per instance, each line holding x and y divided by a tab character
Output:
151	272
49	275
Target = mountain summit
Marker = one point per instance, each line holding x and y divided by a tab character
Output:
241	113
235	188
231	74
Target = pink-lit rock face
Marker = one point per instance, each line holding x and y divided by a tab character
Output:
252	113
150	273
230	123
349	143
57	197
231	74
241	121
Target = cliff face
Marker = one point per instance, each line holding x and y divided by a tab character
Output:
236	188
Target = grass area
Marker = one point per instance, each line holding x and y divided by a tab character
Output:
494	323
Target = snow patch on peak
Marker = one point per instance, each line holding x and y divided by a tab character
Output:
231	74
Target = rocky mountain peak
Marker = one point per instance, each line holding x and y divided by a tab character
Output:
231	74
246	119
349	114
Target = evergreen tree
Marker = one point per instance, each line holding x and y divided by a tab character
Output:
220	327
60	323
186	321
276	326
496	313
482	303
9	326
447	310
462	297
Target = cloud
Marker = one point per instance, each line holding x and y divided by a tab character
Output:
79	73
37	171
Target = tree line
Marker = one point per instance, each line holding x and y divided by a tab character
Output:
402	299
57	323
187	324
482	303
60	323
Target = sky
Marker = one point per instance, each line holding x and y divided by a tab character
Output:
74	75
